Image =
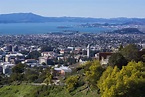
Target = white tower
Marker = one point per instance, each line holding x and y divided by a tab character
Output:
88	50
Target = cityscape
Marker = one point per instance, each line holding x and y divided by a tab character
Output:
72	48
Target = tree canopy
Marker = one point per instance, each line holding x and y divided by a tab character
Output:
93	74
34	55
130	52
118	60
127	82
72	82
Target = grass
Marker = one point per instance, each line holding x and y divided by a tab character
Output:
16	90
25	90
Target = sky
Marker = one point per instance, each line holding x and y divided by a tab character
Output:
76	8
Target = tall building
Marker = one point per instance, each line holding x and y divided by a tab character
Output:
88	50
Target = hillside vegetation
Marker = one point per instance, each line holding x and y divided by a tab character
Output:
24	90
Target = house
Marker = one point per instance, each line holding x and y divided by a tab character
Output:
31	62
62	70
103	57
49	54
43	60
61	51
14	57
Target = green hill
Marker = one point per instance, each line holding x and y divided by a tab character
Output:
24	90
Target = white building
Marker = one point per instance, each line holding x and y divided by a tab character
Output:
7	67
14	56
48	54
88	51
43	60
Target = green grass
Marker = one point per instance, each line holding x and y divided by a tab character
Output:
24	90
16	90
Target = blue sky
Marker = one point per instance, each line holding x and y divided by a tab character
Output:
76	8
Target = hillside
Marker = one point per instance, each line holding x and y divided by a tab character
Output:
41	91
127	31
33	18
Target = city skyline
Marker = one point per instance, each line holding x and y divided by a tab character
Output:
76	8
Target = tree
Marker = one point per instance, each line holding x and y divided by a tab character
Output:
48	79
120	47
1	78
71	60
143	58
49	76
118	60
72	83
31	75
17	72
17	77
127	82
46	48
34	55
130	52
19	68
93	74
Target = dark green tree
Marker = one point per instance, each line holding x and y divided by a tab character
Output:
19	68
34	55
46	48
31	74
17	72
130	52
143	58
118	60
120	47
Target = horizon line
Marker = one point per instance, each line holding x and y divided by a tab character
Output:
70	16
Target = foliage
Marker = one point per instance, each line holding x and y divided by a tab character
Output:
34	55
28	90
31	75
70	60
127	82
24	52
48	79
143	58
17	77
46	48
118	60
17	90
120	47
93	74
19	68
17	72
1	78
72	83
130	52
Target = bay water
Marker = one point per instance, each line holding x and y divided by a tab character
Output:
42	28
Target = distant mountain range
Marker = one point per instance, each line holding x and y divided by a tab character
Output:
33	18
